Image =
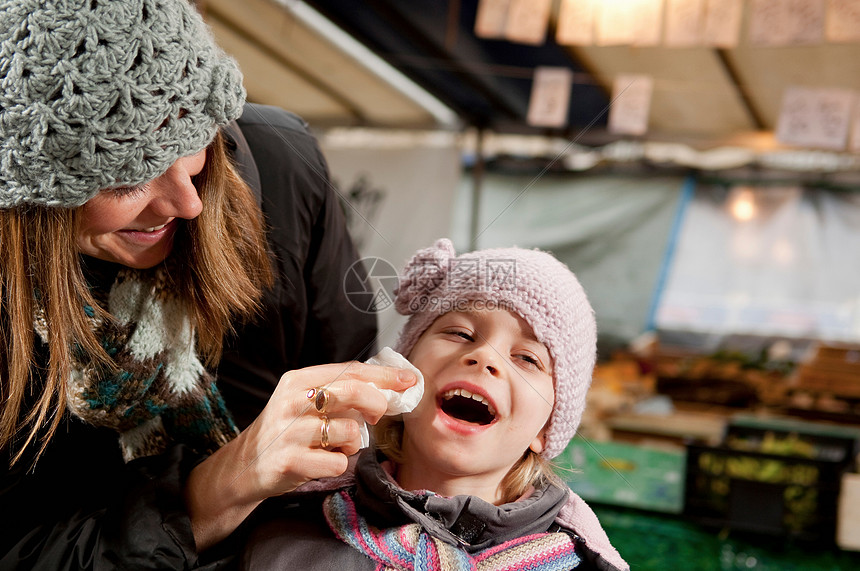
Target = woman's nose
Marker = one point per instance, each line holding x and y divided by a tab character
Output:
176	195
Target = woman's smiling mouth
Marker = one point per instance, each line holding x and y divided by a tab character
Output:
154	228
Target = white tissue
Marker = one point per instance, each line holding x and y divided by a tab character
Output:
398	402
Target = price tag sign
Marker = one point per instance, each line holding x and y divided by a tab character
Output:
550	97
684	23
786	22
631	104
722	26
576	22
528	21
843	21
492	19
815	117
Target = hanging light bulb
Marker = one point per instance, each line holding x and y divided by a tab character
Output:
742	203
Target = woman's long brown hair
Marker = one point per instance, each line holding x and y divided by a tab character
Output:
225	268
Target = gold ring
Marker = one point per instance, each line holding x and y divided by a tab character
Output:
324	441
320	398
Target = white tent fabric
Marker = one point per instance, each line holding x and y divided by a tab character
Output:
612	231
400	194
791	270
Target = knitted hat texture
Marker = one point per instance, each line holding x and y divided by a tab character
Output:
104	93
533	284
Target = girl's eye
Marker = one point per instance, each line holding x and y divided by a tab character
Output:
463	334
530	360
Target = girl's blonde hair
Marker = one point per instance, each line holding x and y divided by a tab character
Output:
42	266
531	469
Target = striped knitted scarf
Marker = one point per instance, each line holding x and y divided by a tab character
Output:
410	548
160	392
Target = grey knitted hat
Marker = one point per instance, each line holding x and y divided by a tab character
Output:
103	93
532	283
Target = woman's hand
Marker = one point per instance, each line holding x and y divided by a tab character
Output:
282	448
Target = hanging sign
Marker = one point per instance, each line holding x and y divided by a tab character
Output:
843	21
492	18
786	22
528	21
616	23
722	23
550	97
576	22
647	22
855	129
812	117
631	104
684	23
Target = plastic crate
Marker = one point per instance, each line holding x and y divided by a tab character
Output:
621	474
778	479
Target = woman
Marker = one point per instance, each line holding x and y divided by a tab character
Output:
131	245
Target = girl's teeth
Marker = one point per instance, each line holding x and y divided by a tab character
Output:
466	394
154	228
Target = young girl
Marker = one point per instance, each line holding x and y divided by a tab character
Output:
506	341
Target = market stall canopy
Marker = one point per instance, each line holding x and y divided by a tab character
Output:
294	59
703	96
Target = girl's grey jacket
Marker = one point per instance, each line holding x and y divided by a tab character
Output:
292	532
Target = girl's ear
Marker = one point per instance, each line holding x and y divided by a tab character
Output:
539	442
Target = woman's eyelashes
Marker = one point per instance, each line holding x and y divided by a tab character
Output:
129	191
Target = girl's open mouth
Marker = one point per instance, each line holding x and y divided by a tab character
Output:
466	406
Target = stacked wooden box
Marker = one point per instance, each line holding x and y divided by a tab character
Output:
834	370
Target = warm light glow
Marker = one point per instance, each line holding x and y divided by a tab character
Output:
783	252
742	203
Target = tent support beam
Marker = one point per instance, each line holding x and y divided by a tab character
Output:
477	183
754	114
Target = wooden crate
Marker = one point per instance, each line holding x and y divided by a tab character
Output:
834	369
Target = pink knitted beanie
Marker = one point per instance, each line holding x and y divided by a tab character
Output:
532	283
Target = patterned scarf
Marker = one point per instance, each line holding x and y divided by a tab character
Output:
410	548
160	393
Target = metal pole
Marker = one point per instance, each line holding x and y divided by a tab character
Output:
477	181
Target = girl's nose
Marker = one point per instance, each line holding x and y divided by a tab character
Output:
485	357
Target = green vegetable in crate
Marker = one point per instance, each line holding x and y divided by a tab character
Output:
721	486
801	505
804	475
756	469
788	445
711	463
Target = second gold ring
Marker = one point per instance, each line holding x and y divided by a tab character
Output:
324	439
